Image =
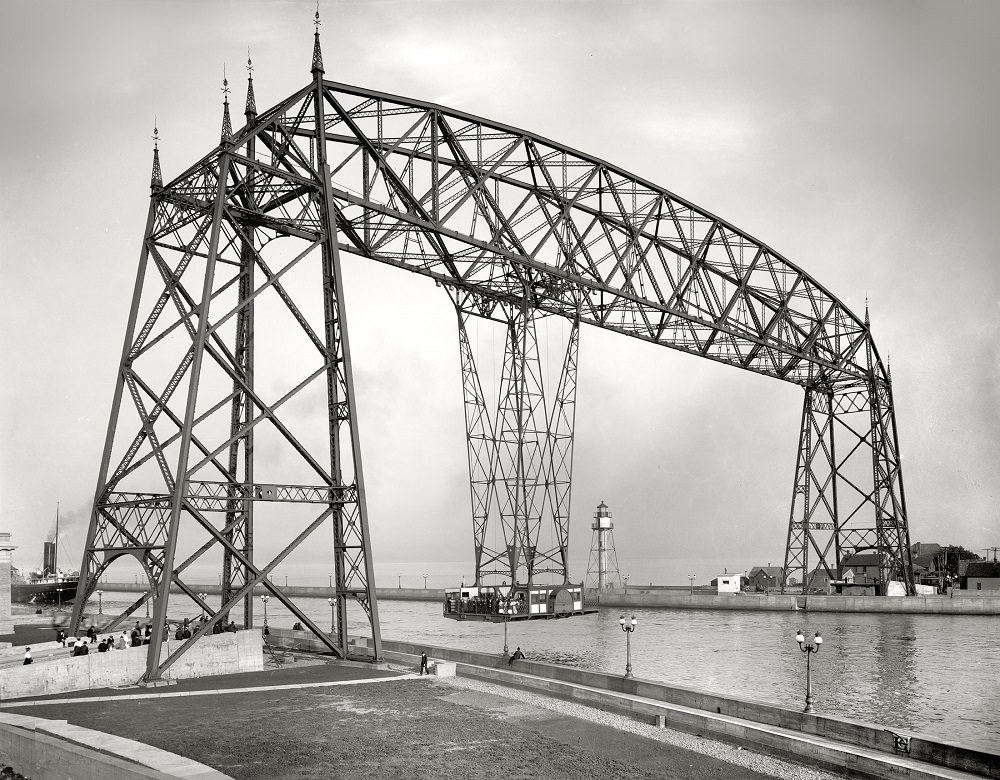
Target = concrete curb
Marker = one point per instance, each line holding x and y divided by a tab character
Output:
57	749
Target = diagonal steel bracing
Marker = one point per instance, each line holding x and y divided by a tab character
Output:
189	469
517	228
520	454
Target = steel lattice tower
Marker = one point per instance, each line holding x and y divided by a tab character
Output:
602	567
520	451
517	228
222	437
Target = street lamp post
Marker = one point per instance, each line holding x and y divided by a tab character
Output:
628	628
333	619
506	620
625	578
100	602
808	648
202	596
331	580
265	598
691	579
399	581
425	582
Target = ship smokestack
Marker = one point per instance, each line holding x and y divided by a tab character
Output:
49	558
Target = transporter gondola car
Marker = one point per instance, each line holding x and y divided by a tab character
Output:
497	604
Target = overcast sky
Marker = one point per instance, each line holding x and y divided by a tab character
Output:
856	139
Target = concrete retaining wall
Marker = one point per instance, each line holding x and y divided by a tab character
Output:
642	598
921	747
56	750
226	653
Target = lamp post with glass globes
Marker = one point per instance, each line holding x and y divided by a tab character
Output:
425	581
691	579
333	618
628	628
265	598
100	602
203	596
808	648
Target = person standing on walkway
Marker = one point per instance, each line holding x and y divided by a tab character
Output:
423	663
27	656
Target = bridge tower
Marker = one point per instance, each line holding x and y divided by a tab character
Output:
520	450
602	568
237	333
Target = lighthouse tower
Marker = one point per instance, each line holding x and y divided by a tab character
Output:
602	569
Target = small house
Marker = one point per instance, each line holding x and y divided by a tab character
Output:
728	583
765	578
983	576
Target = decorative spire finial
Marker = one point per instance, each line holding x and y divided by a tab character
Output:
317	66
227	124
251	109
156	180
867	321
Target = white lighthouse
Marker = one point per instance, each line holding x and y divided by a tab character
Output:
602	569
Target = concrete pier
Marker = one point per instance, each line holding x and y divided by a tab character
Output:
957	603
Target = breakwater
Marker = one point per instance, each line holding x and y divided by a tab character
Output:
956	603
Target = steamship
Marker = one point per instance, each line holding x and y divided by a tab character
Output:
48	585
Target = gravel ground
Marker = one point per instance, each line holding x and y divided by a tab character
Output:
723	751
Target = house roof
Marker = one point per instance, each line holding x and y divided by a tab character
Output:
927	562
983	569
769	571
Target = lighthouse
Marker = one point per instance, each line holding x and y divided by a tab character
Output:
602	569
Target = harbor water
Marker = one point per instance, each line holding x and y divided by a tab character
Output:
934	674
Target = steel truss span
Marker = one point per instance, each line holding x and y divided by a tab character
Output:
516	227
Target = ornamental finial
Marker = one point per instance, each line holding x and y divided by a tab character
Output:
227	124
251	109
867	321
156	180
317	64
